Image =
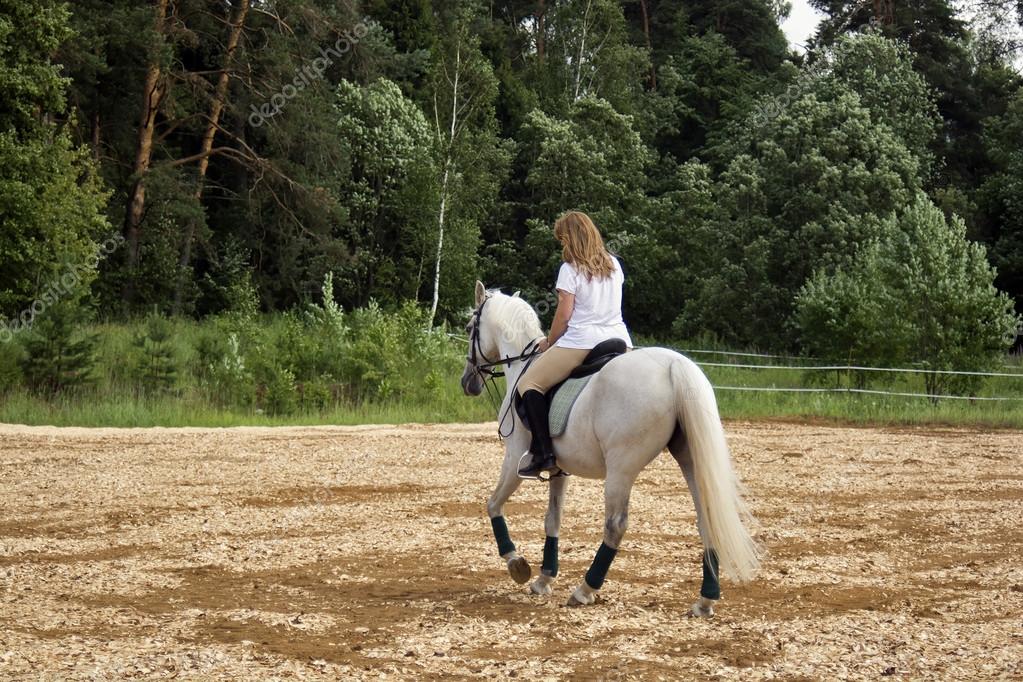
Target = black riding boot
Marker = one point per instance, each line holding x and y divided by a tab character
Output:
541	448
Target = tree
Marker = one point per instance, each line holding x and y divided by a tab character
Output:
236	26
153	364
58	356
880	72
468	154
387	183
800	194
51	200
703	86
971	82
153	91
587	53
922	292
1001	198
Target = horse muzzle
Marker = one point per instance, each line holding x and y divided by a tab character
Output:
472	383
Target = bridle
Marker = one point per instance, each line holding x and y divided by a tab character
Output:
485	369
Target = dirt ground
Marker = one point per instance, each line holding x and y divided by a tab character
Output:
365	553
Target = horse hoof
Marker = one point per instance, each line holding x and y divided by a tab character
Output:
519	569
584	595
703	608
542	585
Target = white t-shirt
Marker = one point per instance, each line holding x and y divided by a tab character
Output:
598	307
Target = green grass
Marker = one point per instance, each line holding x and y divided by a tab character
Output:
21	407
868	410
114	399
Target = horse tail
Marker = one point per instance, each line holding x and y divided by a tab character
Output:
724	516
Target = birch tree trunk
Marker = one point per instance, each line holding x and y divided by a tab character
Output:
582	50
216	108
135	210
448	154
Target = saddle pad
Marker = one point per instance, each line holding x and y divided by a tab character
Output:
562	402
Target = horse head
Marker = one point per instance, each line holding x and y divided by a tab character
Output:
481	344
498	329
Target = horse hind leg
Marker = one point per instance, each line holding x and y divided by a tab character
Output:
710	589
617	489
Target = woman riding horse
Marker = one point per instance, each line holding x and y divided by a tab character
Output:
589	311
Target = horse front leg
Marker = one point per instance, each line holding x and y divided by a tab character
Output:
507	484
551	524
617	489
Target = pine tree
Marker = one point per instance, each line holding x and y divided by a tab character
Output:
58	355
154	365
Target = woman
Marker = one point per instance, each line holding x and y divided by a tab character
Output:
589	311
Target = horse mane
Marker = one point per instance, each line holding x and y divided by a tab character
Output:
515	315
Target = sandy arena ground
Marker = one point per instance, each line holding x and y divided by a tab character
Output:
365	553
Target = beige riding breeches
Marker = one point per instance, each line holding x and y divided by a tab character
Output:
552	367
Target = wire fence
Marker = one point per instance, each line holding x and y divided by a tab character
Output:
852	368
836	368
856	368
778	389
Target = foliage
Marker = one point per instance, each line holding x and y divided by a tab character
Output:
153	365
387	186
881	73
58	355
1001	198
51	201
922	292
800	196
724	169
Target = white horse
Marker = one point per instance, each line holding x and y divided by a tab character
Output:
638	404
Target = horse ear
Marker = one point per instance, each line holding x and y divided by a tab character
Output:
481	293
516	294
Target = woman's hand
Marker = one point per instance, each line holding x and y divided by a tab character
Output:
543	345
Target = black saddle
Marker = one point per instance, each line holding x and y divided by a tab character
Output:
603	353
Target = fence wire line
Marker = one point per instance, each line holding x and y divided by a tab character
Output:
862	390
844	368
778	357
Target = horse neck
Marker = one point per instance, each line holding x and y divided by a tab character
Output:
514	369
511	347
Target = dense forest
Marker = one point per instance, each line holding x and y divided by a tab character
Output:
863	200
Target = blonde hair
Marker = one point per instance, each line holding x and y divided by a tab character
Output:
582	245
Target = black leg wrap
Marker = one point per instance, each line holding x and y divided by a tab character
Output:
550	557
601	563
711	588
504	542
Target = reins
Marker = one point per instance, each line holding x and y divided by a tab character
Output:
486	368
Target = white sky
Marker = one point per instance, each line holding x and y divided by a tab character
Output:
803	20
801	24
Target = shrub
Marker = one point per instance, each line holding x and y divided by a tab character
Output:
224	374
153	364
10	365
923	293
58	354
279	393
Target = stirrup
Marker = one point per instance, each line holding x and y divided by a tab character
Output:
553	473
556	472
